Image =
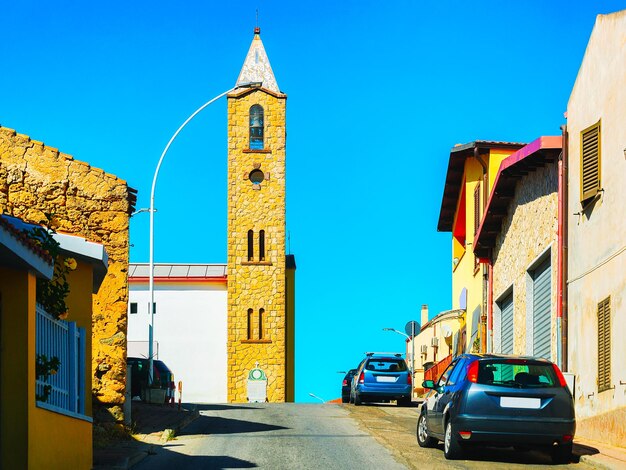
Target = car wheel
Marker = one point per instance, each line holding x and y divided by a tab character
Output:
344	399
562	453
423	439
451	446
357	400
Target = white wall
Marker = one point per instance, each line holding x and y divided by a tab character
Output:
597	235
190	329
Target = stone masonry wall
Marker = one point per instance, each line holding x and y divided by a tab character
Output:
36	179
529	228
255	285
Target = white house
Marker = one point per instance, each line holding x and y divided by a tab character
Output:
190	324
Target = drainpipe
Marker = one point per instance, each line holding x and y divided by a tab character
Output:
490	304
484	271
561	306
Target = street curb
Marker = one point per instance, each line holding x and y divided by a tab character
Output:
134	459
603	462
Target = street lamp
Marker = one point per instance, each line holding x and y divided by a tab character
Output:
412	339
320	399
152	211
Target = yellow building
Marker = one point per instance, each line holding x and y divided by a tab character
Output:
39	431
260	275
472	169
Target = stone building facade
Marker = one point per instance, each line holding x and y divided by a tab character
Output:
258	327
528	237
36	179
518	237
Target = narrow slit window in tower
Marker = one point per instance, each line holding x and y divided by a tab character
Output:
250	312
256	127
250	245
261	323
262	245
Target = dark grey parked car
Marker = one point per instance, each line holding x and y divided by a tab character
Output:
500	401
346	384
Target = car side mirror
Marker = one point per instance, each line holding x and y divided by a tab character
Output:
428	384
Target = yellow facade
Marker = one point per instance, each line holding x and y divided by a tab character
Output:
469	277
33	437
257	285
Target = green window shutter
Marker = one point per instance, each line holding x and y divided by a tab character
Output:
604	345
590	162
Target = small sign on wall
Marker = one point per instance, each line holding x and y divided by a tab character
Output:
257	385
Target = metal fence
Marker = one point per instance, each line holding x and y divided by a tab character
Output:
65	340
435	371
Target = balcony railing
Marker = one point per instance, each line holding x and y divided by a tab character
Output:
65	340
435	371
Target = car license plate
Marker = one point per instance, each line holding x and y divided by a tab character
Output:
382	378
520	402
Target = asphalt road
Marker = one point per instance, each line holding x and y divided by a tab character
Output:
272	436
395	428
316	436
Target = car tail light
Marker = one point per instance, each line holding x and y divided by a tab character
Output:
344	383
559	375
409	379
472	372
567	437
362	378
465	434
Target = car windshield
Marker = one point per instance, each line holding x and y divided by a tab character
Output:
386	365
517	373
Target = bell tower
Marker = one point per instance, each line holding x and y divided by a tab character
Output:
260	320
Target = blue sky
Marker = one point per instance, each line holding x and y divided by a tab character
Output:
378	94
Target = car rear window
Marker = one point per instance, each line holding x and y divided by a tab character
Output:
517	373
386	365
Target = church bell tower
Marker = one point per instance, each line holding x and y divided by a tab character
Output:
260	275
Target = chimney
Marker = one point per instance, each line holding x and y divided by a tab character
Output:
424	317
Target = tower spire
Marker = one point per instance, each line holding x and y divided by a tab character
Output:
256	66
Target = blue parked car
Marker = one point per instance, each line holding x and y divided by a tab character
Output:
382	377
499	400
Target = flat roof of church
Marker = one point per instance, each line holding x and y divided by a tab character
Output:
172	270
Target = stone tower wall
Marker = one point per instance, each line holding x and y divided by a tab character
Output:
257	284
36	179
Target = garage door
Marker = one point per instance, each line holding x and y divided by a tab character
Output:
506	324
542	310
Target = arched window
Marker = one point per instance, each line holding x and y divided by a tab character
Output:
262	323
262	245
250	313
250	245
257	121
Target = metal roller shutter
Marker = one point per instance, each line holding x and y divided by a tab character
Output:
506	324
542	310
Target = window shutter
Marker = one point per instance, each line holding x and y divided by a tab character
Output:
604	345
590	162
476	207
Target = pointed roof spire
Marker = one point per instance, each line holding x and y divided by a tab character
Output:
256	67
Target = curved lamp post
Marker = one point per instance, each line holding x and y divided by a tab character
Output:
315	396
412	351
152	211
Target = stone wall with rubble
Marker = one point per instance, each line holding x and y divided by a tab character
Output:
528	230
36	179
256	284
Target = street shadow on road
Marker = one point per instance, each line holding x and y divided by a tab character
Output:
509	455
212	462
223	407
218	425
